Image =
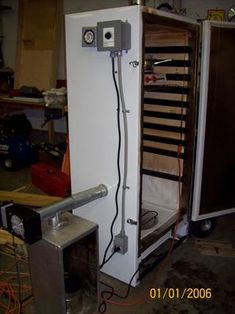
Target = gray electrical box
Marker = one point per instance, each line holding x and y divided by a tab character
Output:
113	36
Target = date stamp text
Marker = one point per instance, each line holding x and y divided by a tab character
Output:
180	293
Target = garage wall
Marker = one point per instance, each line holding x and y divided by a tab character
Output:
10	23
9	30
194	9
198	9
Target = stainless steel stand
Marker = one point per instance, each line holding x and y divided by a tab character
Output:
65	267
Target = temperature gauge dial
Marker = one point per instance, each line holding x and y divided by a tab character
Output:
89	37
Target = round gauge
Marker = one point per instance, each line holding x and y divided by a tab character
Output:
89	37
17	225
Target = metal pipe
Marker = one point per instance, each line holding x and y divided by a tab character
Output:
74	201
125	127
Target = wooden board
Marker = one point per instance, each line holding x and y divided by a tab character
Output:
38	42
5	237
166	38
215	248
166	109
166	96
28	198
163	164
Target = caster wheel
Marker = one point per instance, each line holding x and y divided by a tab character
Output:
203	228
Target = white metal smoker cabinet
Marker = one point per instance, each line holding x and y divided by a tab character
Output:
93	128
93	133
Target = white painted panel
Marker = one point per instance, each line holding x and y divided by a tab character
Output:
93	128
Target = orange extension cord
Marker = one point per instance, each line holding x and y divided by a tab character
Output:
9	286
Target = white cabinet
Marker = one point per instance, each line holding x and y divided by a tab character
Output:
160	73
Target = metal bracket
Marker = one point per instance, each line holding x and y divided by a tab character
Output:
134	63
131	221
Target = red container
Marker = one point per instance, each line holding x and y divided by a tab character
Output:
50	180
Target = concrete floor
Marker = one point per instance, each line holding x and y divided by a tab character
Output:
186	268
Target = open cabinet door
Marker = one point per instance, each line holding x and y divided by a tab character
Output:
214	184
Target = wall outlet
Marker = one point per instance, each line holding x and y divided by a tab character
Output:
121	242
108	37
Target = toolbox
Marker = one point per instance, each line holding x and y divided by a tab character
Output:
50	180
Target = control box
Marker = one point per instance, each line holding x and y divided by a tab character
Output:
113	36
108	36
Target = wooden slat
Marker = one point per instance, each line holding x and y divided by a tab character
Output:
162	163
166	140
178	56
169	49
165	115
166	96
163	133
165	82
28	198
171	70
165	122
166	102
163	38
164	127
163	152
167	89
166	109
162	175
165	146
6	237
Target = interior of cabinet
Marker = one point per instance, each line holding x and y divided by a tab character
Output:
167	119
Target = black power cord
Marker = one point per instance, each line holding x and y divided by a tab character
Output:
107	295
118	170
